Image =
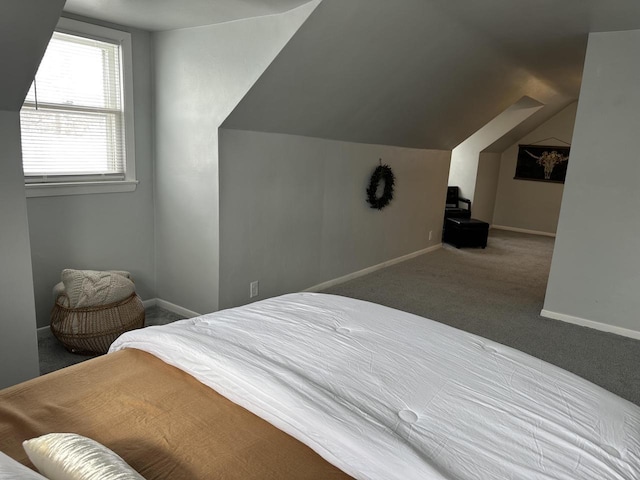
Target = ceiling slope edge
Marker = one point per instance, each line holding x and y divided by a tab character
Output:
25	31
295	19
528	125
165	15
409	77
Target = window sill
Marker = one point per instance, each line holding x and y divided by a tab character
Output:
78	188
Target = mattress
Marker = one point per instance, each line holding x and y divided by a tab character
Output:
384	394
313	386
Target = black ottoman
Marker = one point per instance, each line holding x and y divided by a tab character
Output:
466	232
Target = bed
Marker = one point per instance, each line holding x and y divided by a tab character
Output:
319	386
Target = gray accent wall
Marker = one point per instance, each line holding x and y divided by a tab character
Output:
533	205
25	29
18	342
201	75
595	272
102	231
293	210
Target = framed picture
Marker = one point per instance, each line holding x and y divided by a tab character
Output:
544	163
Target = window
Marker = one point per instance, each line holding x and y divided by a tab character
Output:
77	119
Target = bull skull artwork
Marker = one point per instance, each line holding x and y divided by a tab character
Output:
549	160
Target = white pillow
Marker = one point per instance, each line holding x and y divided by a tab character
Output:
12	470
68	456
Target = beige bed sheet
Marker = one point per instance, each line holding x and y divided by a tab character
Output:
162	421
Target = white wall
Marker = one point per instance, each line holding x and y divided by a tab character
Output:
101	231
486	186
201	74
18	343
595	272
293	210
465	157
532	205
464	171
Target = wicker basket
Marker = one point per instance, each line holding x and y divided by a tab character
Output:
92	330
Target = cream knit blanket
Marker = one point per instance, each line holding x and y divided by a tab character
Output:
88	288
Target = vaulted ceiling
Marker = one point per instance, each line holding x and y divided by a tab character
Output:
418	73
425	73
156	15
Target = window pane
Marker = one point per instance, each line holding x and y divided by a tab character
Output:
78	71
73	117
66	143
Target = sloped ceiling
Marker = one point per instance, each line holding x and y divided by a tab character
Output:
424	73
25	29
548	37
416	73
158	15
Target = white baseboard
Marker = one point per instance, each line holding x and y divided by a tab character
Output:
583	322
523	230
172	307
150	303
44	331
360	273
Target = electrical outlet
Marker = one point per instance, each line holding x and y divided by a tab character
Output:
253	289
430	234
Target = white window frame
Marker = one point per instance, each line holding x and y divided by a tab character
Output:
129	183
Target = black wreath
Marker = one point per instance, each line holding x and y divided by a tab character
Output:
383	172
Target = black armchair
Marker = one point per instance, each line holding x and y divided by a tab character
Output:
452	206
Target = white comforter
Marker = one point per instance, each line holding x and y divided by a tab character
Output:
384	394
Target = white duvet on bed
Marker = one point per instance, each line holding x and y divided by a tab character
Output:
384	394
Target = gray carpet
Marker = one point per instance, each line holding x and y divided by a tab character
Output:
53	356
498	293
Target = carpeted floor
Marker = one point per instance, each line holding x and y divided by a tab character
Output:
498	293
